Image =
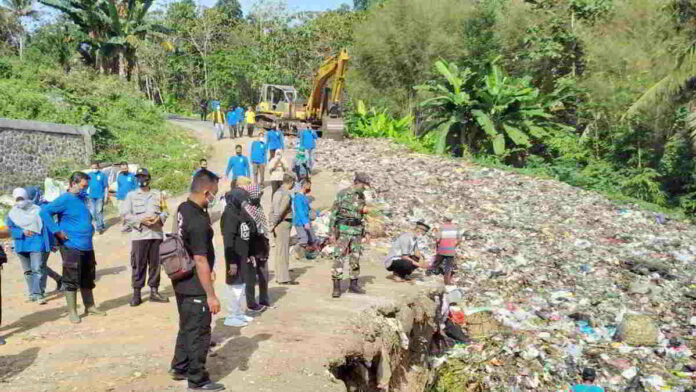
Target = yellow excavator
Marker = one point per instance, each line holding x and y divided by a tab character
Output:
281	104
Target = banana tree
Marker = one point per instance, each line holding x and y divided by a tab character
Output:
18	10
493	110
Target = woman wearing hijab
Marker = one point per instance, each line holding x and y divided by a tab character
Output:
236	226
32	243
258	251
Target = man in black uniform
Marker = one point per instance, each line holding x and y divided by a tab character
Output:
195	295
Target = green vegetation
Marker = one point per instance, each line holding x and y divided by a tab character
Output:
596	93
128	127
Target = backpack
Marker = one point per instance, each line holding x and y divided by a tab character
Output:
174	258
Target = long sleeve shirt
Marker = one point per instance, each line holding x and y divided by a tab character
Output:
301	209
140	205
126	182
39	242
308	139
275	139
98	184
74	220
257	152
237	166
280	207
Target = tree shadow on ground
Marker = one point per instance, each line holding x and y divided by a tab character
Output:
33	320
234	354
109	271
12	365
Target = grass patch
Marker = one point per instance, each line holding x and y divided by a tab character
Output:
129	127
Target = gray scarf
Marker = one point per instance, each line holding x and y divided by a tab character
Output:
25	214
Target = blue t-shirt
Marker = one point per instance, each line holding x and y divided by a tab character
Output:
74	220
39	242
240	113
275	139
126	183
307	139
98	183
238	165
232	117
587	388
257	151
300	209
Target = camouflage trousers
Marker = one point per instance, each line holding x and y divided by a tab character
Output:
348	248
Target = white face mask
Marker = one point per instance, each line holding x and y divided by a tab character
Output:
23	204
211	202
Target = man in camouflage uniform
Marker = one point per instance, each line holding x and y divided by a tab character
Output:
347	229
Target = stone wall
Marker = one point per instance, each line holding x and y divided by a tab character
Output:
30	150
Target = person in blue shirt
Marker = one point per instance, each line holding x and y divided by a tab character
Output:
238	165
275	140
240	120
32	243
308	139
257	153
98	195
74	232
232	121
588	379
301	215
126	182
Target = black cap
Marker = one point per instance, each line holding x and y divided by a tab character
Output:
362	177
142	172
589	374
423	225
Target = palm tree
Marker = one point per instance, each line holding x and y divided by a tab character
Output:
17	10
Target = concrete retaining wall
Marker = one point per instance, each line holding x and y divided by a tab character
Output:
30	150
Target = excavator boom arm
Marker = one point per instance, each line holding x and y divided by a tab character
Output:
333	66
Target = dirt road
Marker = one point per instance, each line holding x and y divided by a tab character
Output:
285	349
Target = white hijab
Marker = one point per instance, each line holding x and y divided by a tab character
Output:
25	214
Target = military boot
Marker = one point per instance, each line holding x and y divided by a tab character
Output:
71	300
88	300
355	288
155	296
137	298
336	288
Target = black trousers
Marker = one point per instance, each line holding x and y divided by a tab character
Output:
250	130
79	268
402	267
257	274
193	340
145	258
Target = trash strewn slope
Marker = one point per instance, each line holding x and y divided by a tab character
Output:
553	278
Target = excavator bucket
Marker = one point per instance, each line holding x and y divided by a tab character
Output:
332	128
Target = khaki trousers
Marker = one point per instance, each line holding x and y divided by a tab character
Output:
281	252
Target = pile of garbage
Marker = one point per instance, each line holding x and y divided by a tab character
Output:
551	278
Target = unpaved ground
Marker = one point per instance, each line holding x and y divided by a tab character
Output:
285	349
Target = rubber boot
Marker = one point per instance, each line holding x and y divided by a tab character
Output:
71	300
155	296
88	300
136	299
355	288
336	288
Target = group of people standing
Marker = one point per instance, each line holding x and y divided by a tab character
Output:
236	119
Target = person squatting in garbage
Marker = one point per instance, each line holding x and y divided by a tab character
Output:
74	234
404	257
347	228
142	212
